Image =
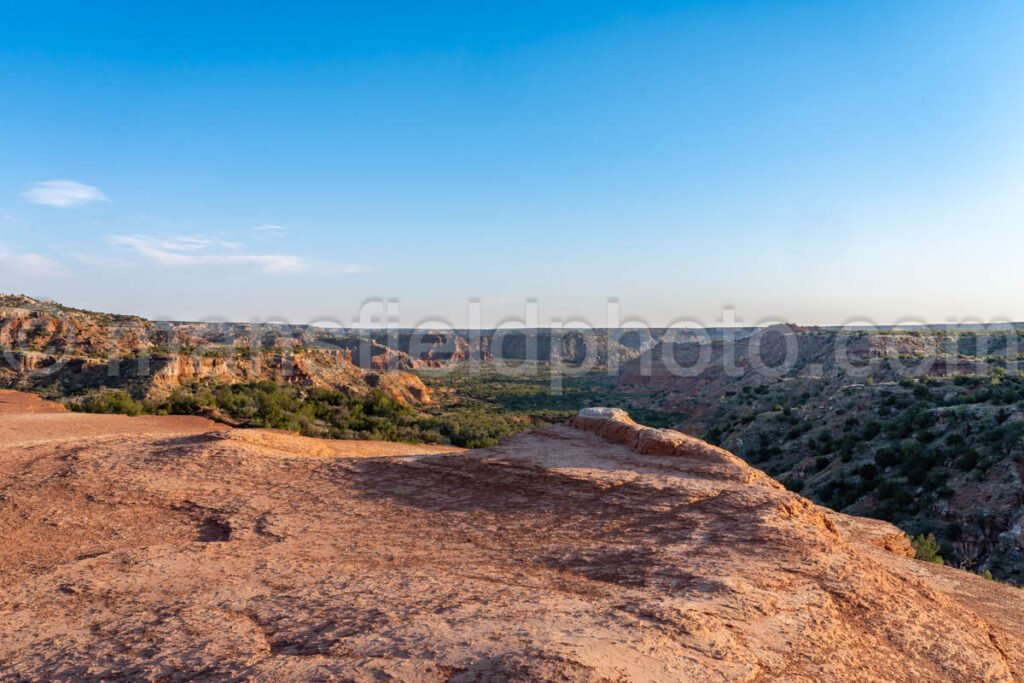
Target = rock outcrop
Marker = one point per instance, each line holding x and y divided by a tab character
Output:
46	346
615	424
176	549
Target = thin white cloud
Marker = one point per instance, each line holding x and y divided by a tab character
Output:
269	228
29	264
183	244
268	232
204	250
62	193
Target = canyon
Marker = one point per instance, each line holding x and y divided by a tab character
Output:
922	427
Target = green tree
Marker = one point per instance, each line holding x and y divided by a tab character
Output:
927	548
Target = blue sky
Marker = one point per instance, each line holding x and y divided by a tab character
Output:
818	162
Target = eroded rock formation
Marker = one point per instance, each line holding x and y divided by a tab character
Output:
177	549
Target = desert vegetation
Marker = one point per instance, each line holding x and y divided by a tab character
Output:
326	413
938	456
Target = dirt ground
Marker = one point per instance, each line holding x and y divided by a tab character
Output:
174	548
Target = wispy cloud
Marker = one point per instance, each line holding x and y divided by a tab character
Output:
268	232
63	193
177	244
200	250
29	264
270	229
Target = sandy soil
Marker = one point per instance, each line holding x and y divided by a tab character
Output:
174	549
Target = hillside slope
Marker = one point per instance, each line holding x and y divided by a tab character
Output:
62	351
174	549
925	430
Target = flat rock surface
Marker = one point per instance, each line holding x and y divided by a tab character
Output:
174	549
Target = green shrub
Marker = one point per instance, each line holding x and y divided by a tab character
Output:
886	457
871	430
968	461
927	548
114	402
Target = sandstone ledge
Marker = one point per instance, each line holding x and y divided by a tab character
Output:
615	424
